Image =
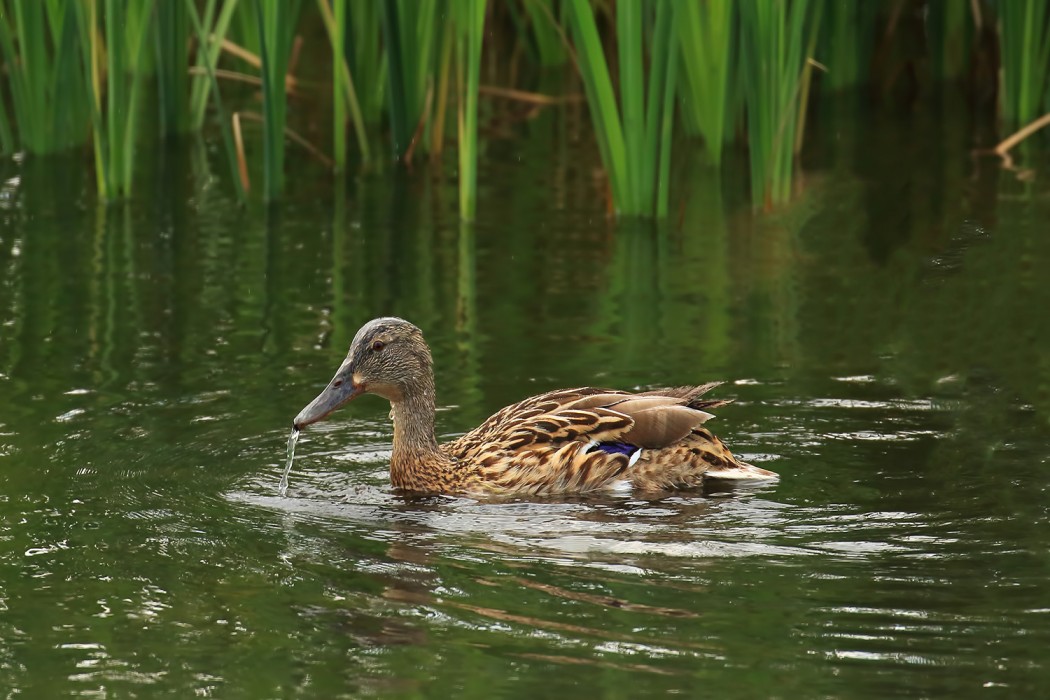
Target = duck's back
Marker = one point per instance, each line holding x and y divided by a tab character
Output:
589	439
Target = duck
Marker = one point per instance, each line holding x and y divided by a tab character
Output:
562	442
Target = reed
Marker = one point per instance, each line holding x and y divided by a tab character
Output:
436	132
470	21
847	39
244	30
7	136
773	58
70	71
663	79
209	46
409	32
341	90
111	89
112	47
38	47
705	36
634	140
125	50
440	85
346	104
208	57
548	39
594	71
276	24
171	33
366	58
398	77
1025	48
344	93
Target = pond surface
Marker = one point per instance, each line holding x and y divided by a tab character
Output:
885	339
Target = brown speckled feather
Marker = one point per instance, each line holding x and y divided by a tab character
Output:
567	441
547	443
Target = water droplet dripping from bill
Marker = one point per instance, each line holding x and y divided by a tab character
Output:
293	438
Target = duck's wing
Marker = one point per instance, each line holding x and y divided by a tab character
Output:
575	440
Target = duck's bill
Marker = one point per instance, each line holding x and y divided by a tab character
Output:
327	401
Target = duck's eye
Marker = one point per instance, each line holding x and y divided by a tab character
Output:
378	345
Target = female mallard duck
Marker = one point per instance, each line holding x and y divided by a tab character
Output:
568	441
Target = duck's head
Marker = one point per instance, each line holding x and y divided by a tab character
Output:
388	357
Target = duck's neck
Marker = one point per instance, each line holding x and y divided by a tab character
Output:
416	463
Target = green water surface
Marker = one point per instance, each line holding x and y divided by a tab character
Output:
885	339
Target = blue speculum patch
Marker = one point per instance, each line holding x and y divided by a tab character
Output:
617	448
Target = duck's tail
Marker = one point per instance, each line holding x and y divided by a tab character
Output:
691	395
740	471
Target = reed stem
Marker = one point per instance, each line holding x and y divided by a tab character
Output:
471	21
224	121
276	23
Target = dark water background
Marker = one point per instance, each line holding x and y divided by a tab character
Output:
885	338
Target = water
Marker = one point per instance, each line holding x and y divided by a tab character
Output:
293	440
885	341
